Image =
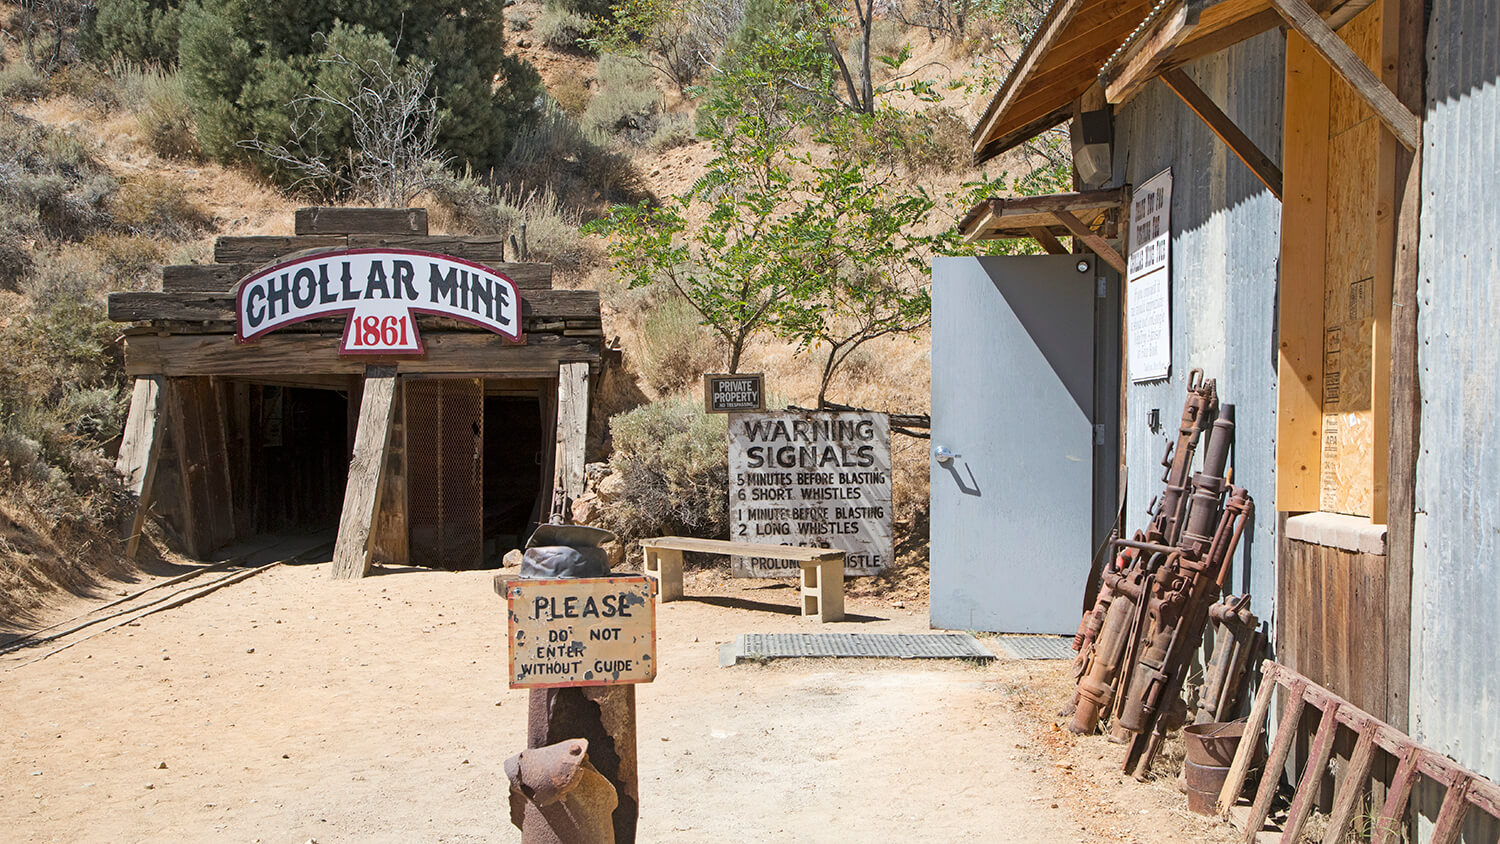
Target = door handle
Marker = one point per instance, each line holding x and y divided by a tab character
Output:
944	455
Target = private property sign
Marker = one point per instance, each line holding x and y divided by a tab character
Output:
814	479
734	393
593	631
380	290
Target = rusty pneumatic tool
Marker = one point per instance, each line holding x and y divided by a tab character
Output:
1108	629
1181	591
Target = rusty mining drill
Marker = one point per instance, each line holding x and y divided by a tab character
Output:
1136	644
1105	631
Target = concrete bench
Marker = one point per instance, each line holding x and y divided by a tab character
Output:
822	569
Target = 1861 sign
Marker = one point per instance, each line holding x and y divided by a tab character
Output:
380	290
817	479
734	393
594	631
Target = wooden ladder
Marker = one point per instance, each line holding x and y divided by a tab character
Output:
1464	787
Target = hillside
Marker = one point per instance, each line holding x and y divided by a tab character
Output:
105	183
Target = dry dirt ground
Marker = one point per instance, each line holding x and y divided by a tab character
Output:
288	707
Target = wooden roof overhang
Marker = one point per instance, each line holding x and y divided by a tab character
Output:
188	328
1124	44
1093	217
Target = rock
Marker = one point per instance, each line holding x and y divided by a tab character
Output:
586	510
611	488
593	473
161	766
512	558
249	650
616	552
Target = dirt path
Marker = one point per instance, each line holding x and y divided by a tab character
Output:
288	707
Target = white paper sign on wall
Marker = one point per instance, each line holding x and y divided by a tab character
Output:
813	479
1148	297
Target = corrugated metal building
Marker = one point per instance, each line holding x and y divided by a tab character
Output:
1226	226
1326	271
1455	689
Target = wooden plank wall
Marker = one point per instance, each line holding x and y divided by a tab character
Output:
1331	620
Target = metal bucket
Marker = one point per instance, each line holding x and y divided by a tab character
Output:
1210	750
1213	743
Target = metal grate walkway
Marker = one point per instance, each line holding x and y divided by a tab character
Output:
1036	647
761	646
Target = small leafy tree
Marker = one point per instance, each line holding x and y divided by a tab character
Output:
856	245
729	269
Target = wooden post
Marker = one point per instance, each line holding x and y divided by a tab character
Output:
572	429
140	448
351	552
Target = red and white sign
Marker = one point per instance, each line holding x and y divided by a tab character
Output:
381	291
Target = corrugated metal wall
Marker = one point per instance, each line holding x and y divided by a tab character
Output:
1455	671
1226	234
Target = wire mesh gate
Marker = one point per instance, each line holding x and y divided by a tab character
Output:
444	426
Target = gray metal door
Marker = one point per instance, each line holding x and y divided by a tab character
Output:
1013	401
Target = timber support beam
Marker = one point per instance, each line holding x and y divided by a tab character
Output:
1099	245
1219	123
1403	123
351	551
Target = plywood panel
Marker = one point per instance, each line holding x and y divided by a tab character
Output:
1362	34
1351	287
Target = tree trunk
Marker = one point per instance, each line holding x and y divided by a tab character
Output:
866	24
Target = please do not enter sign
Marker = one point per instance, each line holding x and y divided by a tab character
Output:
596	631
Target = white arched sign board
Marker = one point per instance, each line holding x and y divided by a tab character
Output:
381	291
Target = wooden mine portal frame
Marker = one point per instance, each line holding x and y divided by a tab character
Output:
435	459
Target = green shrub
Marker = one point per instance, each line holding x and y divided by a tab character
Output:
675	347
247	68
163	111
547	230
564	30
50	185
627	101
138	31
577	165
673	460
20	81
672	131
587	8
153	203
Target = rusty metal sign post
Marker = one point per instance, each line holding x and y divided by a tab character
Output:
579	640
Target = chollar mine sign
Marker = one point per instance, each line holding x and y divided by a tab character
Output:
594	631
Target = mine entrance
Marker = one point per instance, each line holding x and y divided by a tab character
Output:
247	458
475	465
299	449
431	437
514	461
